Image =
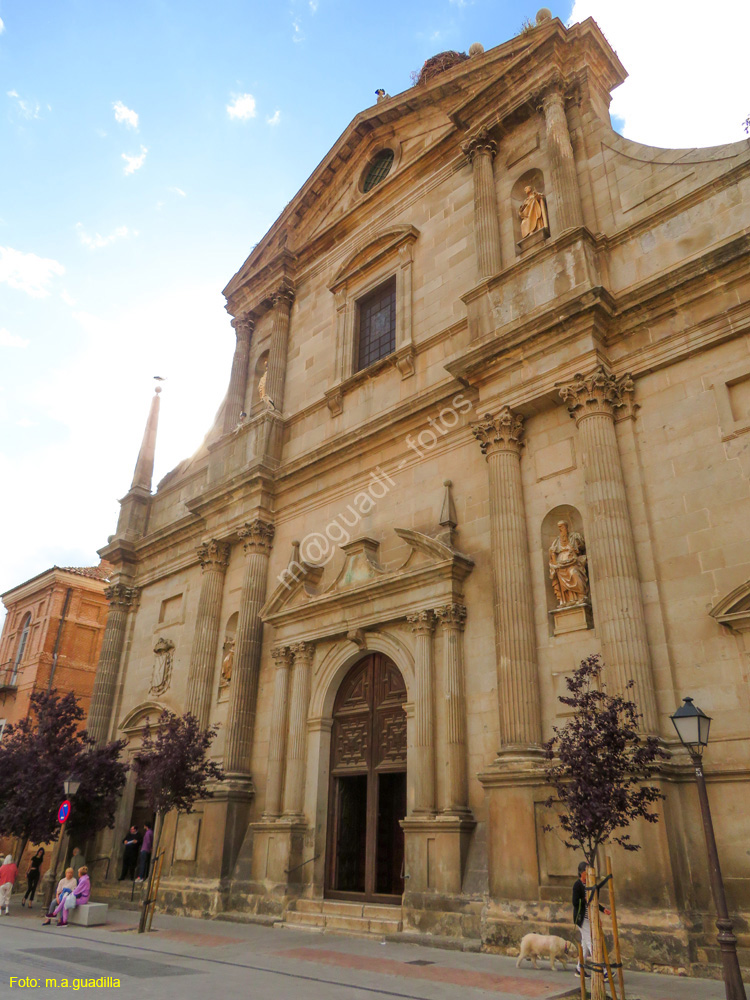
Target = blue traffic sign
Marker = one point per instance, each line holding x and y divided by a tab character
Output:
64	811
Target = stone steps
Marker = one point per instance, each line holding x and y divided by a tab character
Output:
337	916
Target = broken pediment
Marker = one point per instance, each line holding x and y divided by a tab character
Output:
734	609
360	565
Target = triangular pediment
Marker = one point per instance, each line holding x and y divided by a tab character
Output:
733	610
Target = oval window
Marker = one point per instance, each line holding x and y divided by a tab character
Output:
379	168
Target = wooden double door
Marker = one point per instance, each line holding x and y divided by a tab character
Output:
367	798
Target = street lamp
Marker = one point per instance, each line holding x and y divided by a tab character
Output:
71	786
692	727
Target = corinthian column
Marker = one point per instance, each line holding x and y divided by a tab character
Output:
481	151
282	656
214	559
500	438
455	796
565	188
282	306
423	625
258	537
294	785
243	326
121	599
618	607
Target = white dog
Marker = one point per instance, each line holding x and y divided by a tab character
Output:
536	946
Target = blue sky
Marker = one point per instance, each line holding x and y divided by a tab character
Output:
147	146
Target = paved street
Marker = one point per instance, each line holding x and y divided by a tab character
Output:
188	959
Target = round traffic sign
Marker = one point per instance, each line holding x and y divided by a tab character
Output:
64	811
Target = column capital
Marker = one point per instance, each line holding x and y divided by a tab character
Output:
503	432
452	616
283	295
244	326
121	596
214	554
257	536
478	145
282	656
303	652
422	623
597	393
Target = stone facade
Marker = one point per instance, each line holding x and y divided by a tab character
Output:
596	372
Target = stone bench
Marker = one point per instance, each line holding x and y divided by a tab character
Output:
89	915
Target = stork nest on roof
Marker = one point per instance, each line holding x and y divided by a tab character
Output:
438	64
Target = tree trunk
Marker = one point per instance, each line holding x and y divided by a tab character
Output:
598	991
23	841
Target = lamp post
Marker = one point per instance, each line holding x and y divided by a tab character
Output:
692	727
70	786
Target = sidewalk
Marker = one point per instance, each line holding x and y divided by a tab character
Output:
187	959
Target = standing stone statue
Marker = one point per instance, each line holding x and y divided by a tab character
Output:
533	213
226	664
262	394
567	566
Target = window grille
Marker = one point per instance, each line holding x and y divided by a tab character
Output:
379	169
377	324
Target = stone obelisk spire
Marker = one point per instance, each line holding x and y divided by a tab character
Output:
134	505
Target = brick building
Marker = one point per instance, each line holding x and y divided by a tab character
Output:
487	415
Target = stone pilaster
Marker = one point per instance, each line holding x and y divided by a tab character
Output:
258	538
500	438
481	150
423	625
592	400
294	784
565	188
455	793
243	326
121	597
282	656
214	559
282	306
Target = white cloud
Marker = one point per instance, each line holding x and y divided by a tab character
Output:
8	339
688	68
242	107
67	297
297	29
125	115
28	272
274	119
313	4
97	241
133	163
2	26
179	191
28	109
25	422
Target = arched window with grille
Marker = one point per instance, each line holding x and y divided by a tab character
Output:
25	628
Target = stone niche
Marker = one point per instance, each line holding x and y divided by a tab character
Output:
535	180
574	615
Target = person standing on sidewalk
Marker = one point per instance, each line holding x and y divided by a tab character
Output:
144	856
581	915
130	854
8	872
32	877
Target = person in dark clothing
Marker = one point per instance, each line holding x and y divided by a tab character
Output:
132	844
581	914
144	855
32	877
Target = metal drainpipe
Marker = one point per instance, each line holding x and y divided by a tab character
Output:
59	637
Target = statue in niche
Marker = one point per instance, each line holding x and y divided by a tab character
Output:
226	664
567	566
533	213
262	394
161	672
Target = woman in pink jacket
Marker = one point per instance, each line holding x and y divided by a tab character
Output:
8	872
78	897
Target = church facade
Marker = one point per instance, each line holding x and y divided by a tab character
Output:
487	415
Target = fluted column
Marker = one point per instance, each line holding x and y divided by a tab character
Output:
121	599
618	606
243	326
258	537
565	187
282	656
214	559
294	785
455	794
277	352
423	625
500	438
481	150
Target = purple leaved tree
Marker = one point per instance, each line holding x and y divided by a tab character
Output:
174	770
37	754
598	764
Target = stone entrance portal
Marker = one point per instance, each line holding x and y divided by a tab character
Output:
367	798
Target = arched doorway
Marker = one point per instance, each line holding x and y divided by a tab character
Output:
367	797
